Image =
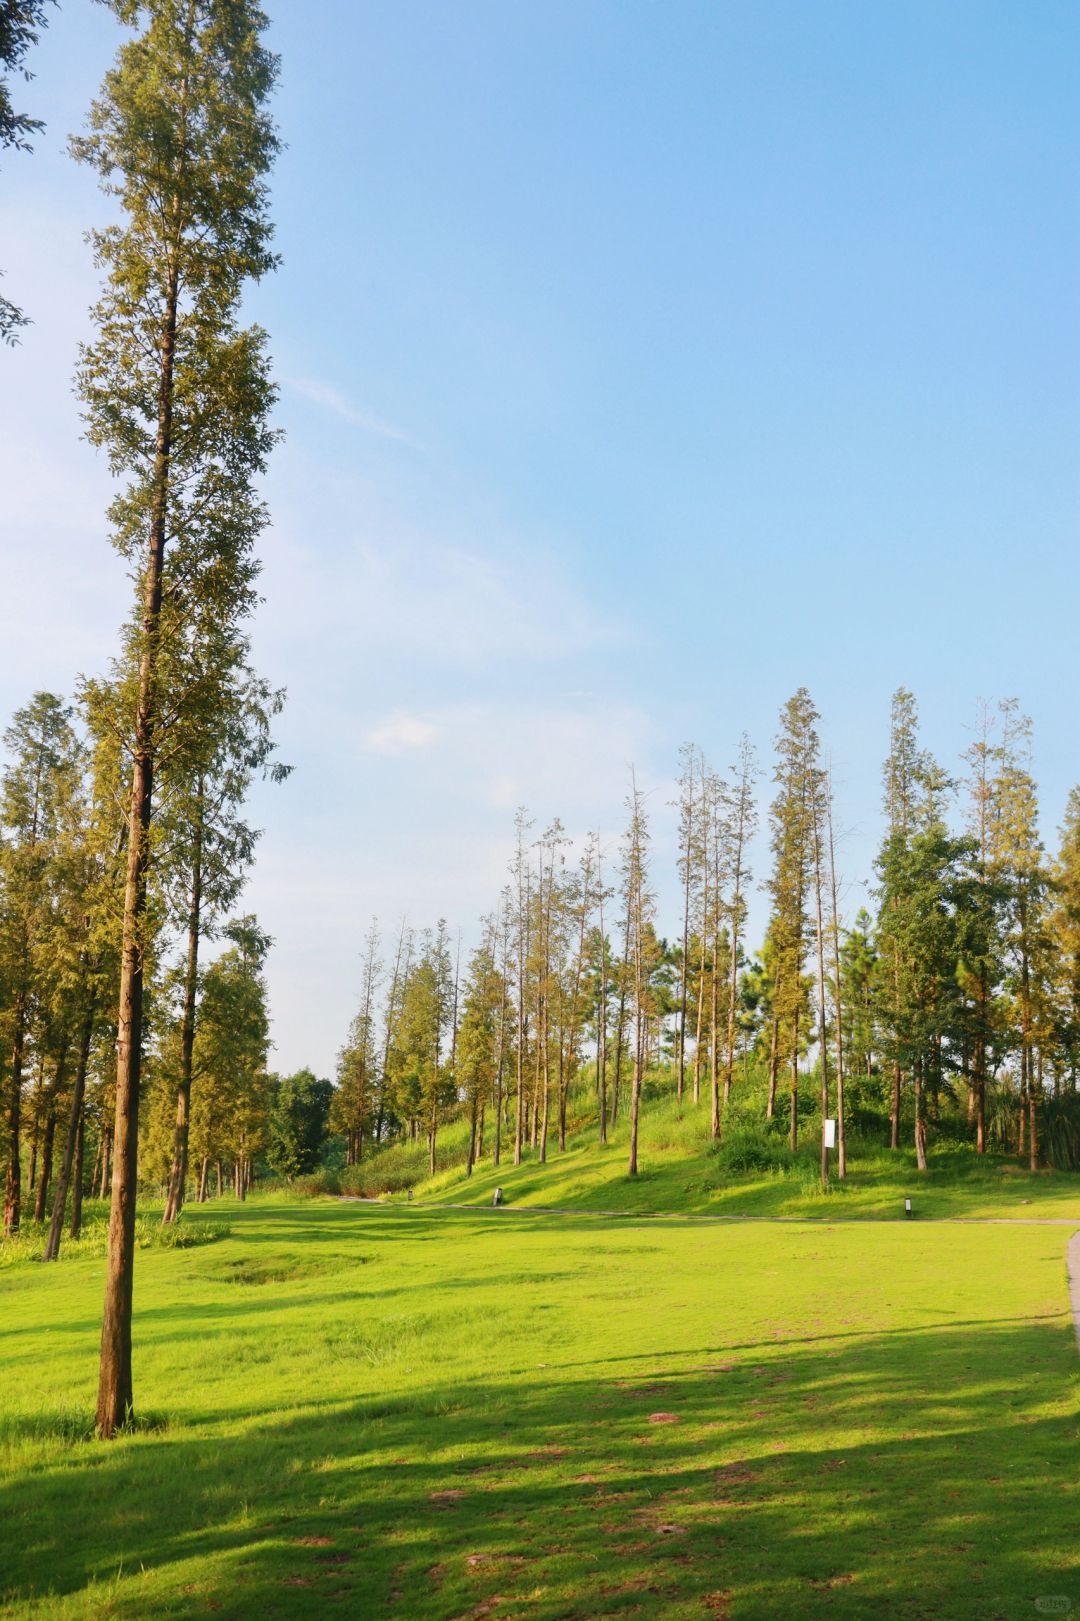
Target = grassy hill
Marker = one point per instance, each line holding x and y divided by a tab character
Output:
751	1173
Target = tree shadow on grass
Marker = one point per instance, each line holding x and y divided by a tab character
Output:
906	1475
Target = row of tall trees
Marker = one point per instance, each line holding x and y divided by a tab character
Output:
957	1000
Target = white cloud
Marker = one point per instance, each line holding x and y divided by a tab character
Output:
401	732
334	400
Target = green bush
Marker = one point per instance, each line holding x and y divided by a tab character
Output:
749	1147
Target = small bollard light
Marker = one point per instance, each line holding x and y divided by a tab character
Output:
496	1197
908	1212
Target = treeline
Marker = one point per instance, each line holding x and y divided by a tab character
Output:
951	1007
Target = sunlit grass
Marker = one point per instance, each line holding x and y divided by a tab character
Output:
375	1411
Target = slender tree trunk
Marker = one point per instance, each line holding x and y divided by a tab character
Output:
204	1179
72	1160
635	1101
13	1183
116	1401
841	1133
46	1165
75	1227
178	1175
106	1161
793	1123
471	1160
714	1036
920	1122
823	1039
774	1057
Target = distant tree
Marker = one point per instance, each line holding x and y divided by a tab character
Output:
39	783
299	1120
789	885
638	900
20	23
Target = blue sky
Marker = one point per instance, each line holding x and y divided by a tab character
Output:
638	364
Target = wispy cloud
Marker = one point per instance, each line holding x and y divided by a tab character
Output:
401	732
334	400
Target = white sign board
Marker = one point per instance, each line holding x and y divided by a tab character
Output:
830	1134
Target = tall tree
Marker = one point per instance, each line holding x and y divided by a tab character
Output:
20	23
789	885
744	826
178	394
639	909
39	782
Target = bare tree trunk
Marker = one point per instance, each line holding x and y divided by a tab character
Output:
793	1125
841	1134
72	1160
13	1183
106	1161
75	1227
774	1059
920	1123
116	1402
178	1175
823	1040
46	1165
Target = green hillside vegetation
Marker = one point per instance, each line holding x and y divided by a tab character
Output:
750	1171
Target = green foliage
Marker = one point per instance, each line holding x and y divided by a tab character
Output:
749	1148
298	1122
26	1246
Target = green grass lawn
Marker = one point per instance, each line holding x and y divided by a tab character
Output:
370	1411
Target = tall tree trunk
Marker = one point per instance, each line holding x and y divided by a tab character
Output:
46	1164
823	1039
75	1227
178	1174
116	1400
793	1120
774	1058
106	1161
13	1182
920	1122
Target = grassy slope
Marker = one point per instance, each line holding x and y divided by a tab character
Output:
680	1173
375	1411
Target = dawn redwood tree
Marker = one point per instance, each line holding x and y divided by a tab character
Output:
638	900
178	395
354	1098
20	24
743	827
39	782
789	885
208	847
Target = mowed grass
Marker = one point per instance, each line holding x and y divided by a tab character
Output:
681	1171
371	1411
